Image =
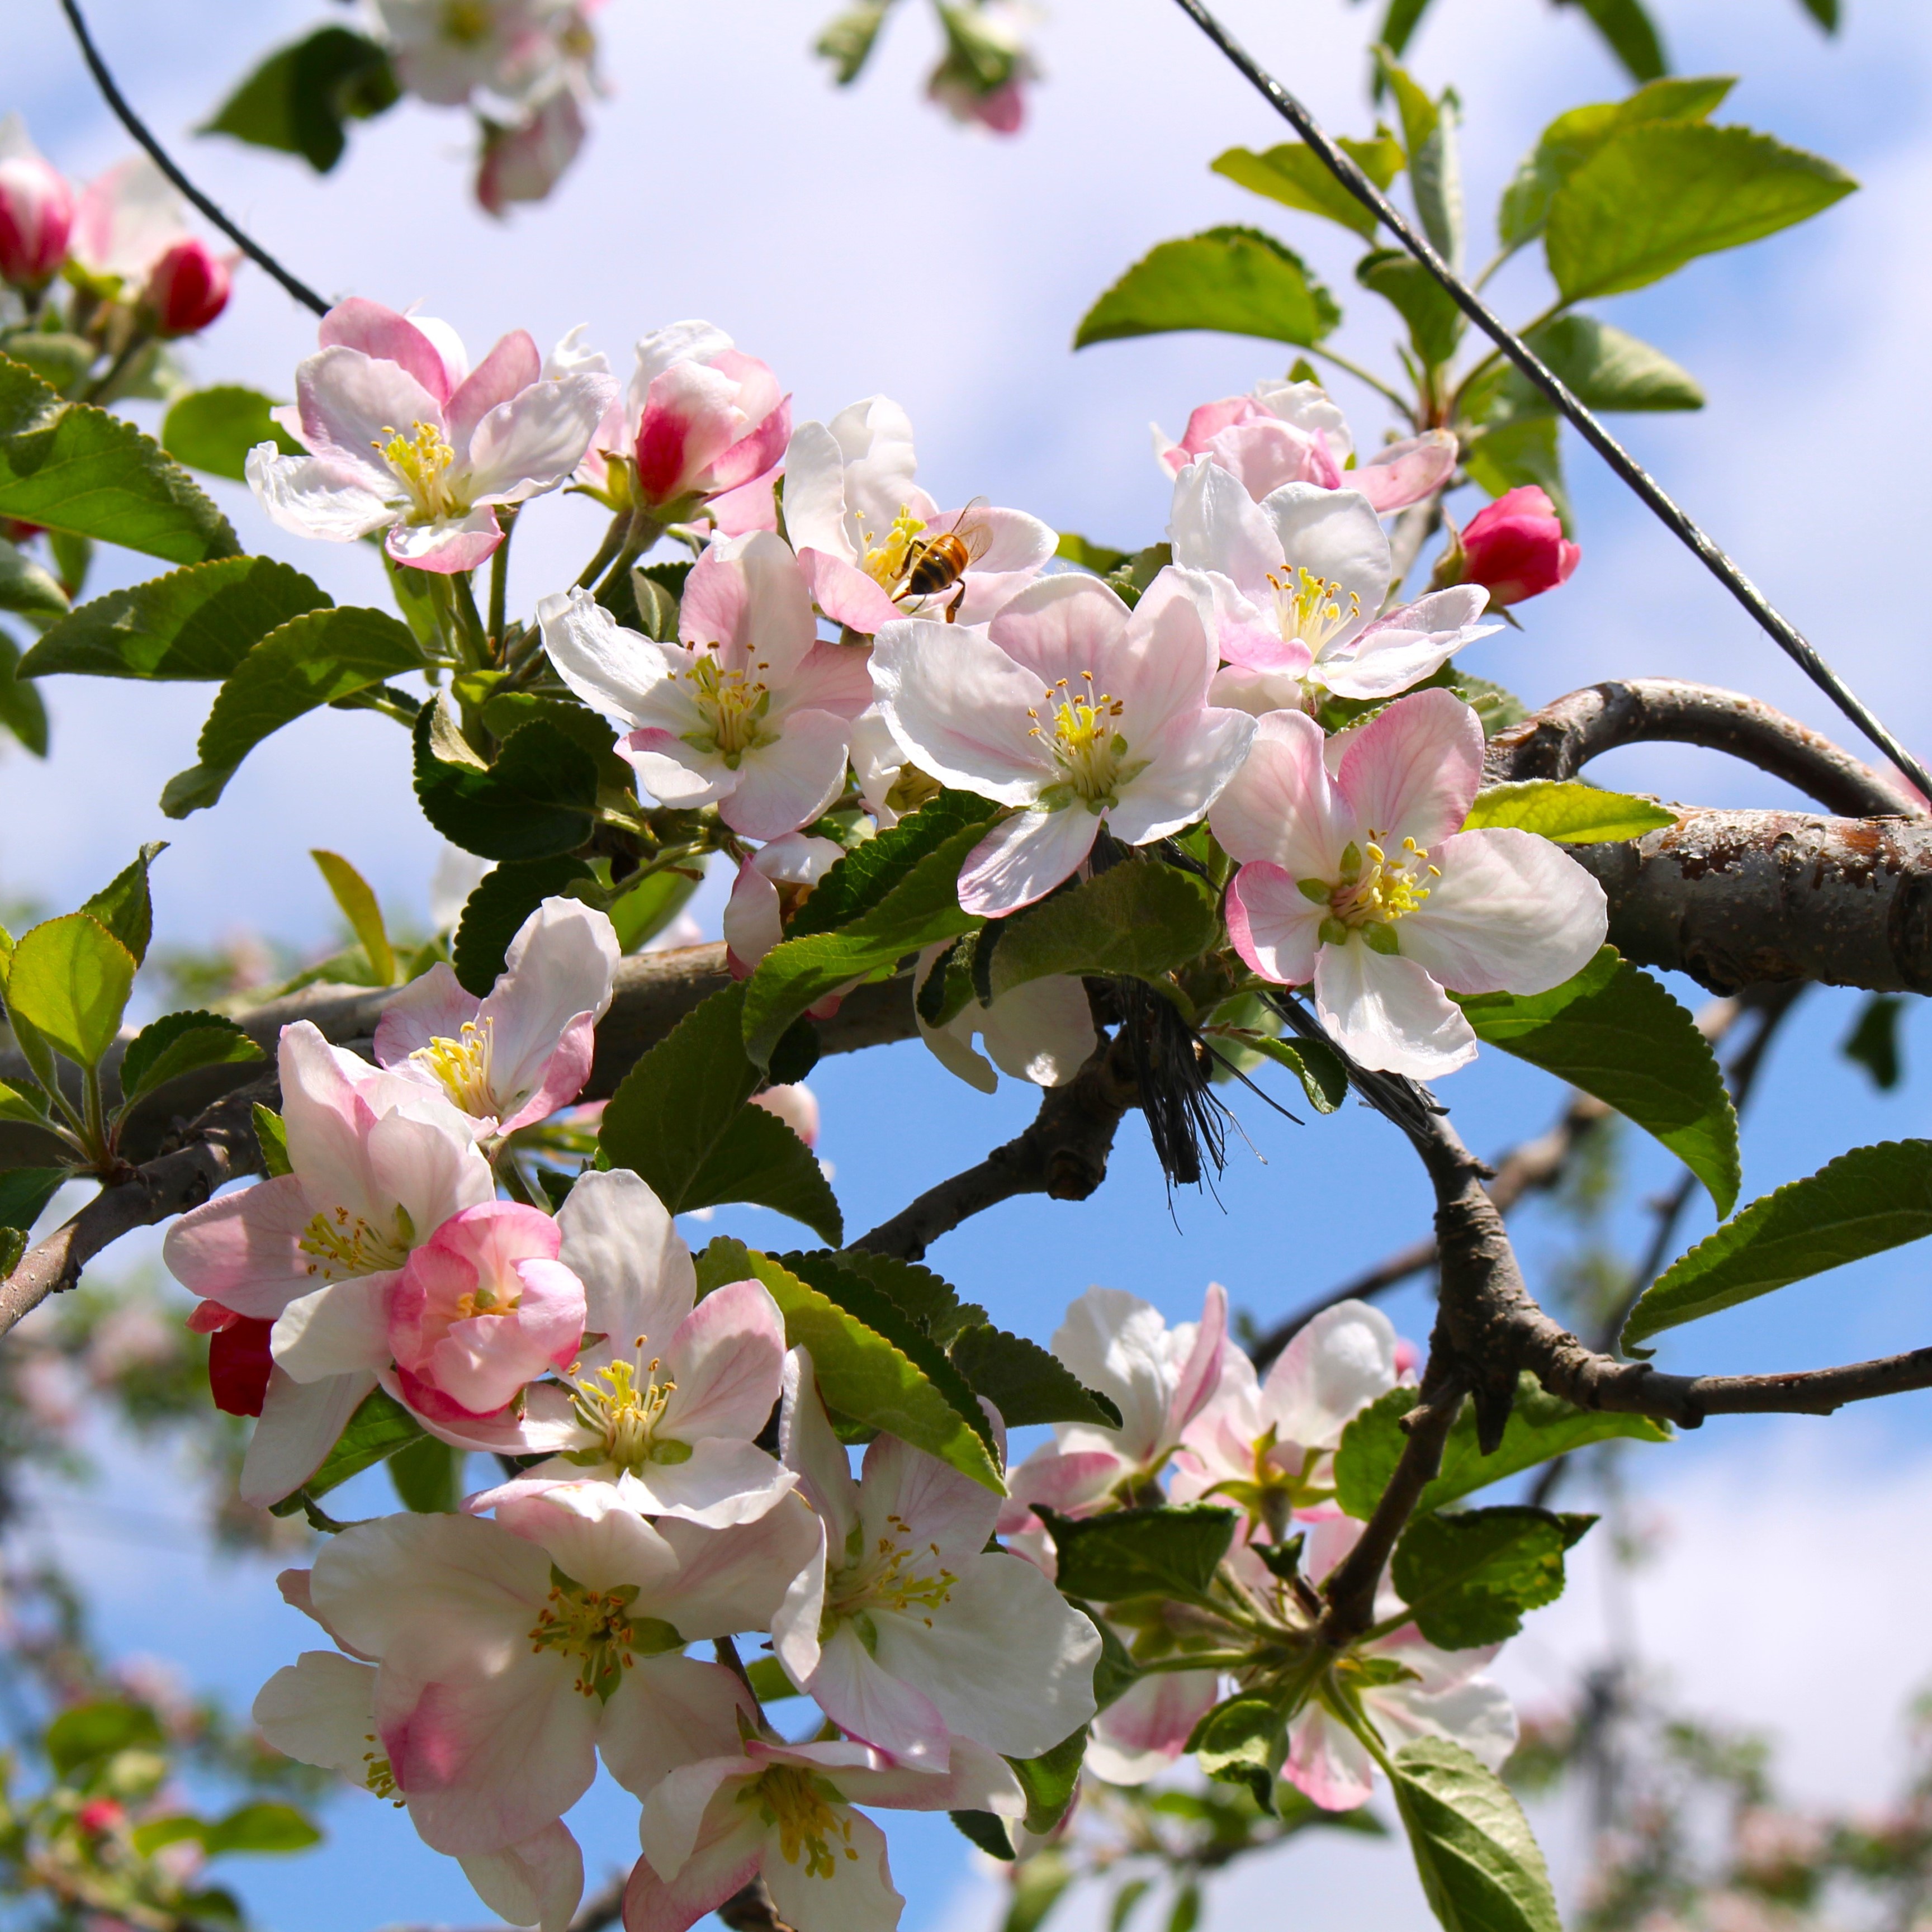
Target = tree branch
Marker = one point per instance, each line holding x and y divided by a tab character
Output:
1063	1154
1565	737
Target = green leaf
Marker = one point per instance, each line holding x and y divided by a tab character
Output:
1038	1884
1526	450
1825	12
213	430
769	1684
1435	168
1435	322
1185	1913
494	913
123	905
928	1298
25	1193
84	1732
871	1363
179	1043
1630	34
1168	1551
22	709
357	899
1096	557
1243	1741
379	1427
312	660
923	907
262	1826
679	1118
1023	1382
1613	1031
273	1138
1864	1202
1568	812
1050	1780
871	870
1129	581
1541	1426
428	1477
1323	1073
1294	175
26	587
1657	195
984	1830
60	360
296	101
1606	368
1497	709
71	467
198	622
508	710
69	980
847	41
650	906
1237	280
1139	918
1479	1864
534	802
1872	1041
1572	138
1469	1576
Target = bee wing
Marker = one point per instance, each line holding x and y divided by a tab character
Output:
974	532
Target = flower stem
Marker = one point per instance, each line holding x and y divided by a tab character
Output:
613	542
499	580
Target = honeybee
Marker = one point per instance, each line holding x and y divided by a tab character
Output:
935	564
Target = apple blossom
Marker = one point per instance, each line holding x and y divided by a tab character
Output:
856	518
1286	432
1290	588
240	1361
982	80
1364	883
509	1654
525	160
1268	1448
771	882
524	1050
444	53
37	210
702	427
904	1633
400	439
481	1308
796	1105
749	709
1072	708
1514	547
666	1403
378	1165
1434	1693
1042	1030
321	1710
186	289
125	221
762	1807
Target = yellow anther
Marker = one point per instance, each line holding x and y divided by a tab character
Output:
460	1062
420	461
791	1798
885	561
1311	607
624	1415
343	1245
733	703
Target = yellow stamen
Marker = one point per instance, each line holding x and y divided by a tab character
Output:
803	1808
461	1064
1309	608
420	461
733	703
1082	732
624	1415
885	562
342	1244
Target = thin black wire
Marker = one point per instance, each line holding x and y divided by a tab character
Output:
1794	644
132	122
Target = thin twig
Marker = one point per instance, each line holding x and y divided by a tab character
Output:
132	122
1785	635
1063	1154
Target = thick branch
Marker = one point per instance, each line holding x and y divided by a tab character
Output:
1063	1154
1565	737
1736	898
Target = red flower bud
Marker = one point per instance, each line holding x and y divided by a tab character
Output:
36	216
1515	547
238	1363
100	1814
187	288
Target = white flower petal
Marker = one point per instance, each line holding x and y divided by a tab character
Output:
1024	858
1389	1013
1411	771
962	708
613	669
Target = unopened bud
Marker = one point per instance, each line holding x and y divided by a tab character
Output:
36	216
1515	547
187	289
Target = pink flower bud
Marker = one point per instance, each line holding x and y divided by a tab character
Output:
187	288
1515	547
481	1308
238	1363
36	216
100	1814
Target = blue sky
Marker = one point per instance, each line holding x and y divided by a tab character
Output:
860	243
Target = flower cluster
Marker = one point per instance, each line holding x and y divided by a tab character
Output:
1198	1426
487	1659
842	639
